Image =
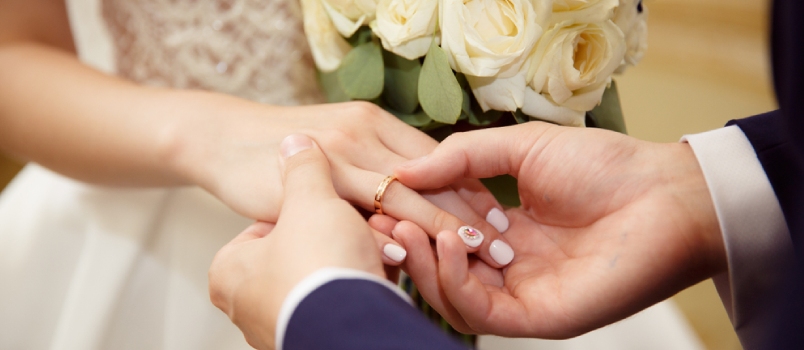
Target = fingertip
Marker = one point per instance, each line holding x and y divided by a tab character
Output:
256	230
471	237
395	253
498	219
295	143
501	252
412	164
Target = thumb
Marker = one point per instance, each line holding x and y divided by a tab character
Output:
475	154
306	176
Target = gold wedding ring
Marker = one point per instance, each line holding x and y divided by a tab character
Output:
381	192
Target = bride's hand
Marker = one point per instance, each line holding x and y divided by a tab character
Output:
231	150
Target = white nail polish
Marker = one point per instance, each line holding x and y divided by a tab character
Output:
497	218
471	236
394	252
501	252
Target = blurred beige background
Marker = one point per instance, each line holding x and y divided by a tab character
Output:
707	63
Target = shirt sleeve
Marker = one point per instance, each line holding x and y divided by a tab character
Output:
755	234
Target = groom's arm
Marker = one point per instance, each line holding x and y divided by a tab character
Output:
748	162
346	309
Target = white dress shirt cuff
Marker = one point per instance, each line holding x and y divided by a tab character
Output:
313	282
755	234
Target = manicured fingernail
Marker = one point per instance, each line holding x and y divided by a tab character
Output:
497	218
471	236
394	252
501	252
294	144
413	162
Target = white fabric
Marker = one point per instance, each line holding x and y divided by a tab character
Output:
659	327
89	267
318	279
754	231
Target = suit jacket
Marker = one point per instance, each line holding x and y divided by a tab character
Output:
353	314
778	139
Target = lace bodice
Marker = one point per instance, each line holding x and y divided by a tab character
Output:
255	49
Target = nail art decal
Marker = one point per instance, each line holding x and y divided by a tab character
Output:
471	236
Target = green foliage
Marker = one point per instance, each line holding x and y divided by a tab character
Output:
609	114
521	117
439	92
361	72
360	37
401	83
331	87
471	110
418	119
504	188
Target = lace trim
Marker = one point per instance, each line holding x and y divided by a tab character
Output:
255	49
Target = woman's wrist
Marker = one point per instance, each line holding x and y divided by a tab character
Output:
191	133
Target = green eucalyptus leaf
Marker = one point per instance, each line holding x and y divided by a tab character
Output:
504	188
360	37
331	87
521	117
609	114
485	118
361	72
466	104
401	82
439	92
418	119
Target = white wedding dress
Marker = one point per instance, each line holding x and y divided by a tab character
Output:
89	267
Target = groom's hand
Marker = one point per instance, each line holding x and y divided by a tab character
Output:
251	276
609	225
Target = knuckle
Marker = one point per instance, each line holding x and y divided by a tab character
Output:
443	220
451	140
363	111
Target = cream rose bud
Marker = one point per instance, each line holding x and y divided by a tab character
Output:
349	15
572	64
631	17
327	46
582	11
405	27
487	38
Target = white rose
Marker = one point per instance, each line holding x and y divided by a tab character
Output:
406	27
500	94
327	46
487	38
572	65
349	15
539	106
582	11
631	16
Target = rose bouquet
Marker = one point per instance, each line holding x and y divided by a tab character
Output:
447	65
434	63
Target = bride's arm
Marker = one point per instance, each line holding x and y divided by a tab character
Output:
105	130
71	118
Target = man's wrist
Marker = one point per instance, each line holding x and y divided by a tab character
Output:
686	181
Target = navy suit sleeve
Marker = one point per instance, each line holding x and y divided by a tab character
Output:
783	164
361	314
778	139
